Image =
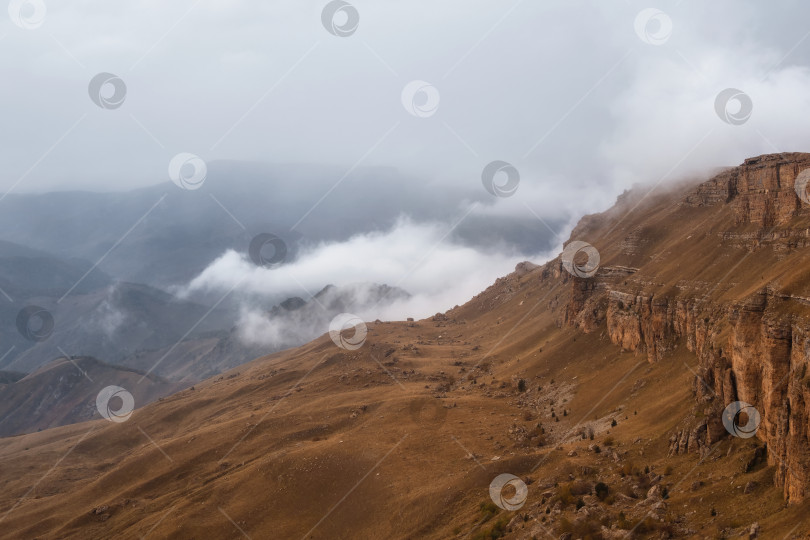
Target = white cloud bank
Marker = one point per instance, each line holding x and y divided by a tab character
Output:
420	258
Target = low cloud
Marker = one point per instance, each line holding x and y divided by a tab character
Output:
420	258
667	127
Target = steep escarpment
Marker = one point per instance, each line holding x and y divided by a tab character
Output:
721	269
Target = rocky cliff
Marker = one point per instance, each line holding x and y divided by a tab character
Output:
743	309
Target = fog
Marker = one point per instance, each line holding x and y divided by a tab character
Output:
580	100
417	257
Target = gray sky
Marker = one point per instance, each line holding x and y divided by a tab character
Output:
565	91
582	99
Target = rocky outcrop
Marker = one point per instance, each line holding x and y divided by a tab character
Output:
761	190
756	350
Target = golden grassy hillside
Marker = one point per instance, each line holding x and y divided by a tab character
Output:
402	437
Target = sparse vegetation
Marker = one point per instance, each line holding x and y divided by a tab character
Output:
589	528
488	509
571	493
495	531
601	490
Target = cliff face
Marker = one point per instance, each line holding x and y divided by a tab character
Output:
743	311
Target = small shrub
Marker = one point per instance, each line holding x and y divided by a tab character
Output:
522	385
488	509
497	530
613	423
608	441
601	490
580	487
564	495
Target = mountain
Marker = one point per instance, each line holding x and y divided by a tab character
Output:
163	236
56	394
30	272
287	324
601	388
110	323
145	331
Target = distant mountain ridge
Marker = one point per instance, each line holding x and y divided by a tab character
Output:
64	391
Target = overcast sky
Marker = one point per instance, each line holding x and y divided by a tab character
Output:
568	92
575	100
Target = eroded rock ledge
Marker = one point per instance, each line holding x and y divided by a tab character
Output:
755	350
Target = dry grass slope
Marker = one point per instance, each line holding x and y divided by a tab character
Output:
401	438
